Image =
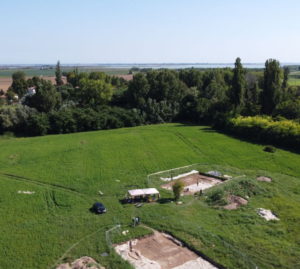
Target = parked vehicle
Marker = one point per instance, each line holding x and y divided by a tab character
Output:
99	208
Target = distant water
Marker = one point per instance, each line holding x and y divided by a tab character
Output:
148	65
180	65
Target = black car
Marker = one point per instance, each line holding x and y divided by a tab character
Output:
99	208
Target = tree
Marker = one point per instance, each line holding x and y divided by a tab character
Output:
191	77
138	90
19	84
286	72
177	189
252	100
14	118
237	92
94	92
46	97
97	75
37	124
58	75
166	85
272	86
289	109
74	77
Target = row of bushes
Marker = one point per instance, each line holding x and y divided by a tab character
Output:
281	132
23	120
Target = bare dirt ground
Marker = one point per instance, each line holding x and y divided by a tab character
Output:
160	251
235	202
126	77
81	263
5	82
194	183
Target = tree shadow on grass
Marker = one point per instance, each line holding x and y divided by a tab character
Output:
165	200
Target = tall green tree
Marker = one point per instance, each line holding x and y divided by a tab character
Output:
46	98
19	84
272	86
58	75
238	89
94	92
138	90
286	72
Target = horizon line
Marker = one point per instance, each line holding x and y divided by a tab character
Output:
138	63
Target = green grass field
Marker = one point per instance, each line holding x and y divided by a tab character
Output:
67	171
294	78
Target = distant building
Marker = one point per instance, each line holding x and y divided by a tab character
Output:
31	91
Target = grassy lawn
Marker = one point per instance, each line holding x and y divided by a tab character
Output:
294	79
67	171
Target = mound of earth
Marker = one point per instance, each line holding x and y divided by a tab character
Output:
262	178
81	263
235	202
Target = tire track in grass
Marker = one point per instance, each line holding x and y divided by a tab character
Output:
51	185
61	188
188	143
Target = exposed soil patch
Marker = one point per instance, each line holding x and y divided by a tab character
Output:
126	77
160	251
5	82
194	183
235	202
262	178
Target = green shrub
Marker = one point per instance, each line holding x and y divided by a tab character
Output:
217	197
242	188
270	149
177	189
265	129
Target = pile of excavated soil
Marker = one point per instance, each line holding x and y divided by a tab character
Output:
262	178
235	202
160	251
81	263
194	183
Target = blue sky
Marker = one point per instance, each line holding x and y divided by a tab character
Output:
152	31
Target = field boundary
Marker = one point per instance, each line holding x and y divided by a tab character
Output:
108	237
154	179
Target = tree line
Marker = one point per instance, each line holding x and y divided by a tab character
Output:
95	101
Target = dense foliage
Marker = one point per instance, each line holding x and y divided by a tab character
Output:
93	101
265	129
